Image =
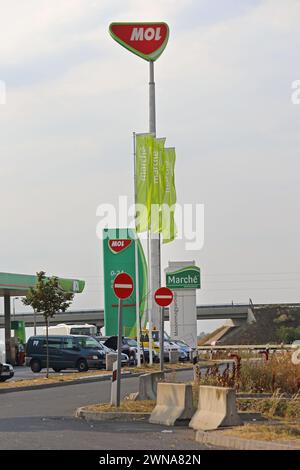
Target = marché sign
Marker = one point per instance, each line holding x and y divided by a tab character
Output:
185	278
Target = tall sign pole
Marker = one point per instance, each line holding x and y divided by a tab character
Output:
123	288
148	41
163	298
153	239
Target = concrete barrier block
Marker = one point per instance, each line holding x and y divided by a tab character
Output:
148	385
110	358
174	403
174	356
216	408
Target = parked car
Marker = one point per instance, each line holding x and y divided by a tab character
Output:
129	350
124	357
171	346
132	343
184	347
6	371
65	352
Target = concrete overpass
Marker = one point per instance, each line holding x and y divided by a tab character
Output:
96	317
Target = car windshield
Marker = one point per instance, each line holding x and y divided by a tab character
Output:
155	335
106	349
89	343
181	343
131	342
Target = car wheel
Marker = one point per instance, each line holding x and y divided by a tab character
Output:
2	379
82	365
56	369
35	366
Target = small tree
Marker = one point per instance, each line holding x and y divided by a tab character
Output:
48	298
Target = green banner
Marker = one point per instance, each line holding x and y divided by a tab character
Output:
156	184
119	256
143	176
169	195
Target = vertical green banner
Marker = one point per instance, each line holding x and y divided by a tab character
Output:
119	256
156	184
169	195
143	176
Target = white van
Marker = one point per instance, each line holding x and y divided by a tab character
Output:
63	329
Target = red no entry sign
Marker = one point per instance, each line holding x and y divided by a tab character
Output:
123	286
163	296
147	40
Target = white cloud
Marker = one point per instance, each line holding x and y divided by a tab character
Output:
223	99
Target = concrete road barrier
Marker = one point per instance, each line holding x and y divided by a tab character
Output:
148	385
174	356
216	408
110	358
174	403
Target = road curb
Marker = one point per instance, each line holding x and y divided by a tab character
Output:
125	416
218	438
84	380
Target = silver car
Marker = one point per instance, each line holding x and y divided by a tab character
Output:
6	371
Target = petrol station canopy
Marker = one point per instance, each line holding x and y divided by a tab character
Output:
19	284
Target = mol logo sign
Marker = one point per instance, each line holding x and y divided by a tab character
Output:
147	40
118	245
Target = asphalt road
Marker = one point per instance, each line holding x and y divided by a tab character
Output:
44	419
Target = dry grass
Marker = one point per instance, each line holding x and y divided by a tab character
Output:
69	376
145	406
272	407
55	378
147	368
280	431
277	374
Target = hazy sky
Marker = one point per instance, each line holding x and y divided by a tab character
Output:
74	97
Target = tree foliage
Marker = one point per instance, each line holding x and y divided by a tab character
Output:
48	298
288	334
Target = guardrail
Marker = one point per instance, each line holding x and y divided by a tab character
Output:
241	347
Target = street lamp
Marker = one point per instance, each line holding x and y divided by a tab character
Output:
34	321
14	307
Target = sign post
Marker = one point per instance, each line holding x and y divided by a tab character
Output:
123	288
163	298
148	41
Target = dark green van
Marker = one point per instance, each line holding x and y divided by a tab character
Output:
65	352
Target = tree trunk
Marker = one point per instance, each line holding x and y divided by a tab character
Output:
47	347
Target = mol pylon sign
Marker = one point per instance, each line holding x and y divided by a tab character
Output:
147	40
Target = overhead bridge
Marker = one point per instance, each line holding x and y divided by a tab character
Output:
96	317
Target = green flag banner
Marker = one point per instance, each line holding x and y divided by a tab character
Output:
155	193
143	177
169	195
156	184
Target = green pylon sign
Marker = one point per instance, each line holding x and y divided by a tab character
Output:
118	257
